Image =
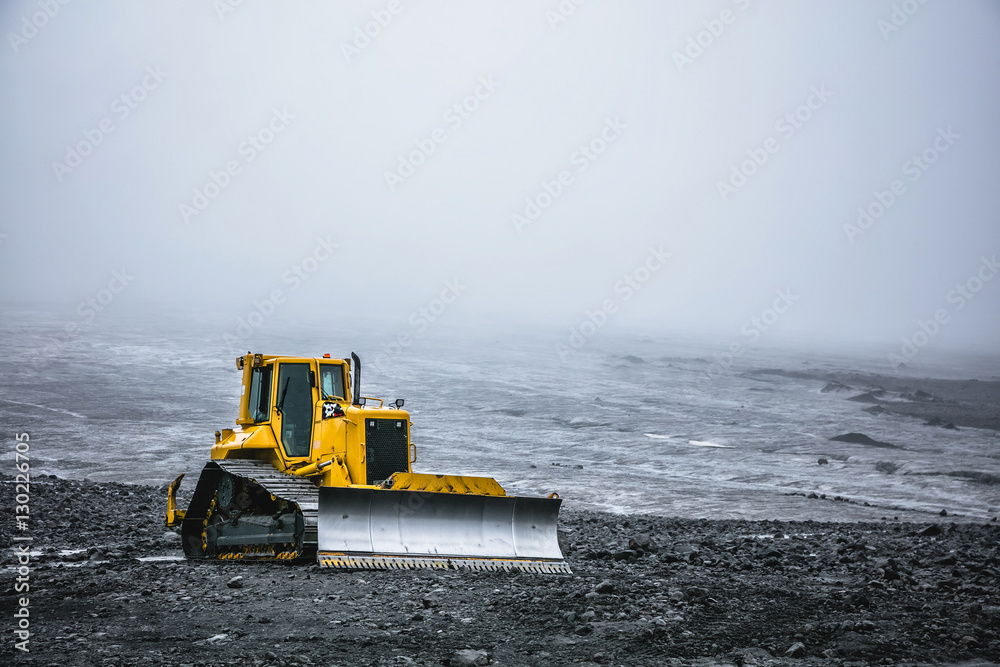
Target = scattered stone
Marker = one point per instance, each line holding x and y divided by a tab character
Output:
433	598
606	587
823	461
468	658
796	650
755	656
642	542
943	512
235	582
931	530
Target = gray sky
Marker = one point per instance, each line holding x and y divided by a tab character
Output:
669	119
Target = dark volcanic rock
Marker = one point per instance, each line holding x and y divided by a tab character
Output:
937	421
642	542
921	396
862	439
796	650
606	587
867	397
835	386
468	658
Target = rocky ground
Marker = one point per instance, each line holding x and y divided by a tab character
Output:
645	591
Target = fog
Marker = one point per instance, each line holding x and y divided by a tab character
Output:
509	166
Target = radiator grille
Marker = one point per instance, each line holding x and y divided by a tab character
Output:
386	448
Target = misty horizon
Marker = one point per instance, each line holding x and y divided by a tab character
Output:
815	174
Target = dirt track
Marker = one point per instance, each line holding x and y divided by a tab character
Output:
686	592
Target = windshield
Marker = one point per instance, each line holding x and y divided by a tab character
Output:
331	381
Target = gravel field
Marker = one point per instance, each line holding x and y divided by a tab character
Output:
108	587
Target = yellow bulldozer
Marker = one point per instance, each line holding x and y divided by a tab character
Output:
314	470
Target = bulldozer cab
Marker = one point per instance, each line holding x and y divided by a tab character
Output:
284	392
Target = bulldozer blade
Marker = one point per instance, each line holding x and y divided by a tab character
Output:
385	529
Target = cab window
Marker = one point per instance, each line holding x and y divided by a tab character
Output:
331	381
260	394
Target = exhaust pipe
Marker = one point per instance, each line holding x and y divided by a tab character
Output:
356	360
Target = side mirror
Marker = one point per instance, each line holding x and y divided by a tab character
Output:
398	403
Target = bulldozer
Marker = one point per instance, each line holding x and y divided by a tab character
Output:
313	470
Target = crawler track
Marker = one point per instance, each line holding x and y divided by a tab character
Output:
247	510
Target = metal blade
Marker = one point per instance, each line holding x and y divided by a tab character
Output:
438	527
